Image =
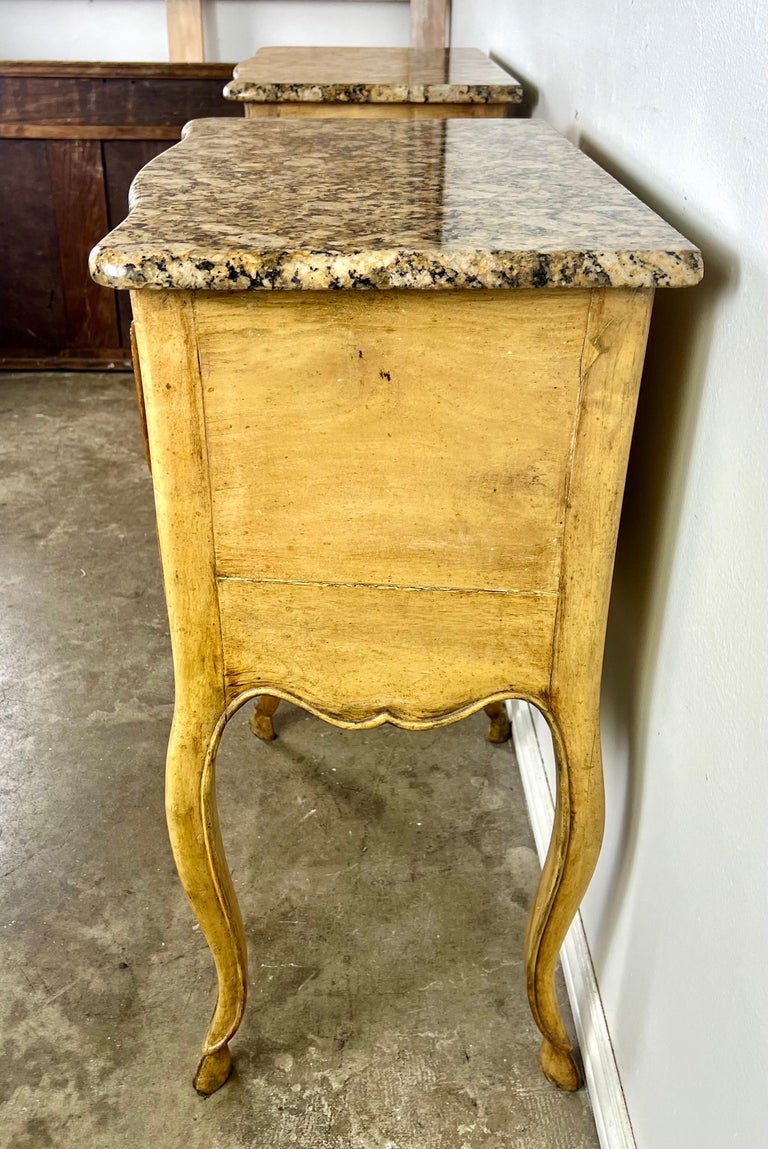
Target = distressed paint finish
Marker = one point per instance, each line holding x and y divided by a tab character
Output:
396	379
353	1002
348	637
173	404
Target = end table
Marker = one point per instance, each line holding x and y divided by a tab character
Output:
388	373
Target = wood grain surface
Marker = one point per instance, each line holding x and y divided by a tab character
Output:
359	656
172	395
389	507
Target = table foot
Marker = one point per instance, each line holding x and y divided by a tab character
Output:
261	719
559	1067
213	1071
499	730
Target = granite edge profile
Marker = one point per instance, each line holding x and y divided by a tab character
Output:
134	268
249	91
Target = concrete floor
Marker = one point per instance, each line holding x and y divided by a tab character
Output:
384	876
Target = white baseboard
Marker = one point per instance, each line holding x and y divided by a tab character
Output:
614	1128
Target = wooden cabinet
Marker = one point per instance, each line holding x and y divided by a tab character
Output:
72	137
390	370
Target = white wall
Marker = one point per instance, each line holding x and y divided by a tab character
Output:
231	23
672	97
234	29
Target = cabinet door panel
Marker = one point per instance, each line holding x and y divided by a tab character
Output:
31	302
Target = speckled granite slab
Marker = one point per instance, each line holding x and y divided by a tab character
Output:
418	204
372	76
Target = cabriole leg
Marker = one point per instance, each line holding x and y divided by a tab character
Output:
570	862
193	824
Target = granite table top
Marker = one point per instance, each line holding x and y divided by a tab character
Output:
418	204
372	76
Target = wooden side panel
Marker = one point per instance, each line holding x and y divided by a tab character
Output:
31	305
363	654
80	201
329	111
391	438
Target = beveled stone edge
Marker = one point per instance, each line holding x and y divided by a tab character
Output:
284	92
136	267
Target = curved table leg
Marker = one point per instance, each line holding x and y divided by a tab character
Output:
570	862
499	730
261	719
193	825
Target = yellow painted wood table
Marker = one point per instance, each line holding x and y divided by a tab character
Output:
371	83
389	372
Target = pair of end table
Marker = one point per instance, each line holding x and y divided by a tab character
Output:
388	372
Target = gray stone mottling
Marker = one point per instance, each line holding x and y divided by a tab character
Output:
372	76
384	876
324	205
